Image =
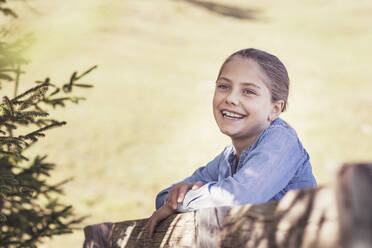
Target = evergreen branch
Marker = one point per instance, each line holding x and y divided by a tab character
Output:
6	175
45	84
26	191
16	154
76	99
53	218
8	104
42	231
84	85
38	167
58	185
33	113
5	189
38	93
11	140
86	72
68	87
37	107
55	188
9	128
39	133
2	218
56	101
17	102
60	101
57	89
54	92
9	179
44	121
6	115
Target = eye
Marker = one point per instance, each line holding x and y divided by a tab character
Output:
223	86
249	92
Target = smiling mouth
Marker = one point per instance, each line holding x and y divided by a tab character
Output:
232	115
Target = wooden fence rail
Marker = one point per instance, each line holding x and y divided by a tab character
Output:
338	215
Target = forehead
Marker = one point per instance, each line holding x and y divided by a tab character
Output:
244	70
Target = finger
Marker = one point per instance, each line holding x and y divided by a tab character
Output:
182	192
155	219
150	226
159	215
172	198
197	185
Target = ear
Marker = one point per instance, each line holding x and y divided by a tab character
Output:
277	108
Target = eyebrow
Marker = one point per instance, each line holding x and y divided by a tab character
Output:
244	83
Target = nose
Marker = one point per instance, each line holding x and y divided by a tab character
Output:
232	98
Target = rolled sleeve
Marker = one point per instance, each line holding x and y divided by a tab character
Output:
205	174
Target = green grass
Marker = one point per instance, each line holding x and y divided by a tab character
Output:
148	121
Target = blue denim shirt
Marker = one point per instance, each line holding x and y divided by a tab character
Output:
274	164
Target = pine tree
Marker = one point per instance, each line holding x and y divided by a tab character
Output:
29	206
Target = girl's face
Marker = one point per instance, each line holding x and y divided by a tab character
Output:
242	103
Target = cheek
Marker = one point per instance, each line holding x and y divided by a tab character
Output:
218	97
215	104
256	106
215	100
215	107
266	109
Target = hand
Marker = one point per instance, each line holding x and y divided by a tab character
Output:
176	195
178	192
162	213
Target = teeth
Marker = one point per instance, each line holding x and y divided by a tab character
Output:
230	114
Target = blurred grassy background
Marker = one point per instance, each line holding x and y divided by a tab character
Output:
148	122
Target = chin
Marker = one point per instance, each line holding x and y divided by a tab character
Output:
229	133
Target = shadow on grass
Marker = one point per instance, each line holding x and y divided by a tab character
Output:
225	10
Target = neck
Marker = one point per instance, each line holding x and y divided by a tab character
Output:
241	144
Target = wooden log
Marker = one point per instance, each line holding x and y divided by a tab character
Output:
332	216
354	194
97	236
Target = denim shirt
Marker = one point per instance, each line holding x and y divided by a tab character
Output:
274	164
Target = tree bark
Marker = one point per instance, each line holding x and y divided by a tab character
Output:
333	216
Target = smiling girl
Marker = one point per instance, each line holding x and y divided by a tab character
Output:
266	158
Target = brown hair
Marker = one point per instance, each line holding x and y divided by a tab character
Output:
272	67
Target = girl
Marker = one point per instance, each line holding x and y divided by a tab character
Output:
266	158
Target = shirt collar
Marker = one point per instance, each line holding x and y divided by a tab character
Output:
244	153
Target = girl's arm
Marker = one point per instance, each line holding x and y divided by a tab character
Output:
205	174
165	207
267	169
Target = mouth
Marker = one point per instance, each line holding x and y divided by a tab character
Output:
231	115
